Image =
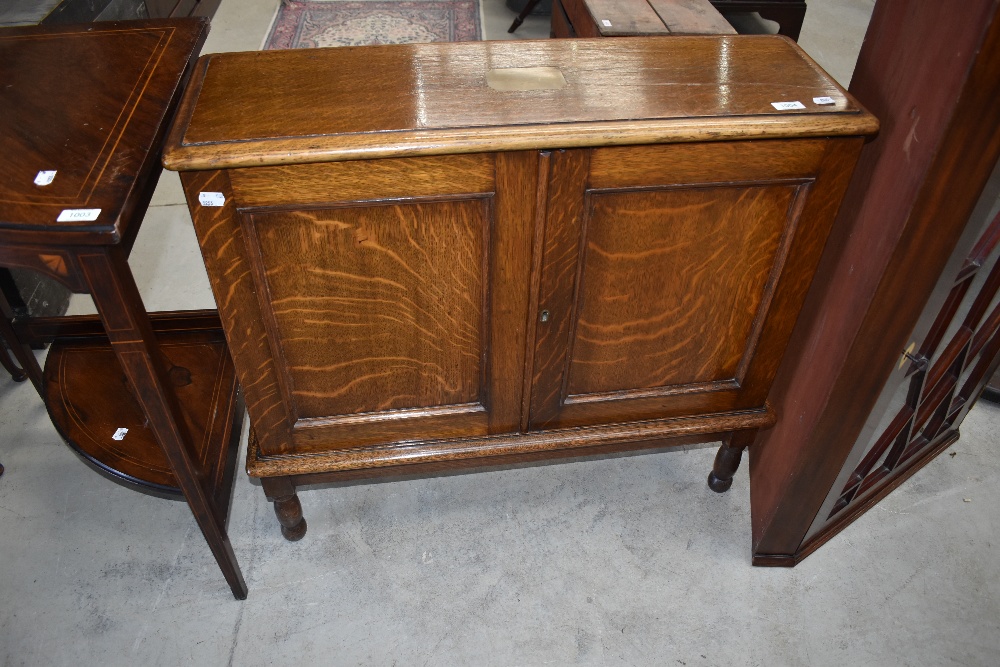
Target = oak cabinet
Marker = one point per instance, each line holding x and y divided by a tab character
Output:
521	256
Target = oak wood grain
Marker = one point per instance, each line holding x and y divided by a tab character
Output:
252	109
501	446
383	307
673	301
672	287
323	183
220	237
627	293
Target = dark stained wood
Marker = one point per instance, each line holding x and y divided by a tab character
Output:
561	25
89	399
579	22
81	11
99	138
26	366
933	75
44	330
789	14
176	8
727	460
287	508
93	103
236	112
442	308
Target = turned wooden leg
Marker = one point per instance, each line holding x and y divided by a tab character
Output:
287	507
289	512
727	461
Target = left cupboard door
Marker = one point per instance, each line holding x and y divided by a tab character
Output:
391	301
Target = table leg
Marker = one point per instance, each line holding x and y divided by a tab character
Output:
528	8
727	461
22	352
128	328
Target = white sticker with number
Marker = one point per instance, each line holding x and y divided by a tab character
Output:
824	100
44	177
212	198
78	214
787	106
606	23
120	434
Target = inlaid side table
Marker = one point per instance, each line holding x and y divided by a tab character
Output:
83	113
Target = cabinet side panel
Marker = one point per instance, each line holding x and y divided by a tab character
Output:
223	249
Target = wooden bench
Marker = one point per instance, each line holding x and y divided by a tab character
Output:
618	18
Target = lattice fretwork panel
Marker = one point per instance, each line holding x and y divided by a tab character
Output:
945	375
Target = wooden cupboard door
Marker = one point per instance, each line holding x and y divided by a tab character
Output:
389	295
670	277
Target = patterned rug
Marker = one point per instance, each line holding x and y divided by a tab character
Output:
301	24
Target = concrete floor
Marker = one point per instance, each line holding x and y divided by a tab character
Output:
629	560
25	12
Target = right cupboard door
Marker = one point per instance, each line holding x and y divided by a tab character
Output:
669	277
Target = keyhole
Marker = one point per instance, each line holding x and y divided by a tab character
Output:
545	316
